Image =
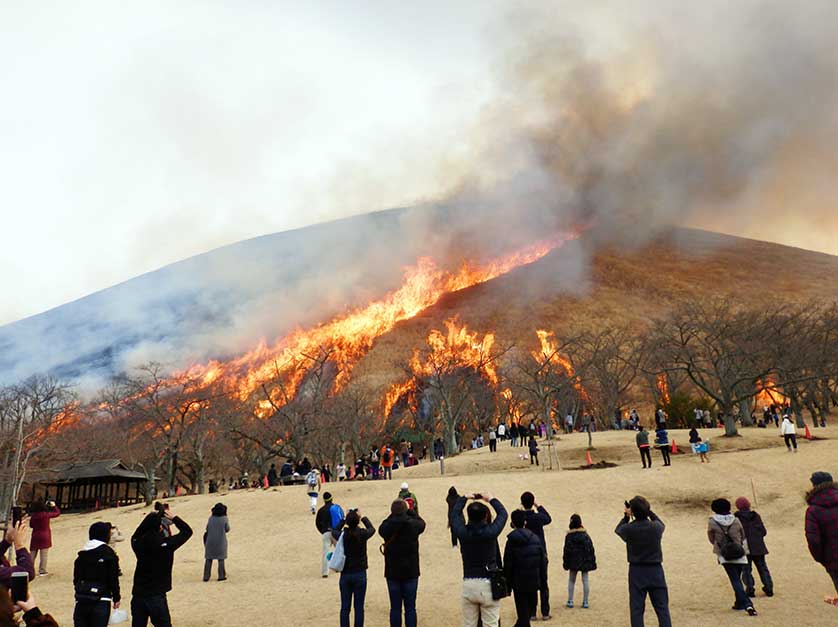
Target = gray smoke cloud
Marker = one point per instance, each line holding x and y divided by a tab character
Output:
723	116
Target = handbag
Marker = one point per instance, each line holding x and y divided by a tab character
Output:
338	559
497	580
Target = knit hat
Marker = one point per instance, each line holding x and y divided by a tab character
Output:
100	531
821	477
327	497
743	503
404	486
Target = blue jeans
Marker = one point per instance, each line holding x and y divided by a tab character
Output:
352	586
734	573
402	592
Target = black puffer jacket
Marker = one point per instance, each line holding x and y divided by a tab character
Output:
524	559
478	541
579	551
754	531
401	545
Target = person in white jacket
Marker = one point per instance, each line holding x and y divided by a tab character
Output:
789	433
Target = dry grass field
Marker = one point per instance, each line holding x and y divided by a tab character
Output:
273	569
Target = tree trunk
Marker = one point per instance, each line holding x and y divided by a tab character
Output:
745	407
730	420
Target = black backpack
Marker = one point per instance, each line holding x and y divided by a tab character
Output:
731	550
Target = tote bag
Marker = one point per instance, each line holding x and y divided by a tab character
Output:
338	558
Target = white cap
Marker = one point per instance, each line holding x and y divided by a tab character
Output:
404	486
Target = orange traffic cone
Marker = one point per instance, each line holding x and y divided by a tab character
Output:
588	458
674	449
265	482
807	434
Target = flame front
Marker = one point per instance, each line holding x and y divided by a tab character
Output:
352	335
550	352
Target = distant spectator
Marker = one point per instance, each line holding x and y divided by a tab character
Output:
755	533
789	432
578	557
533	447
451	500
642	441
408	497
215	541
662	443
822	524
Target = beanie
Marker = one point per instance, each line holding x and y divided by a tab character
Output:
743	503
821	477
100	531
327	497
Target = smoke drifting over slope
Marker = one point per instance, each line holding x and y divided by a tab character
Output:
704	114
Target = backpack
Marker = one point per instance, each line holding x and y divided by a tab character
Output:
411	504
730	549
311	480
387	457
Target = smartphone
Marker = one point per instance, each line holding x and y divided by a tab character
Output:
19	587
478	497
17	515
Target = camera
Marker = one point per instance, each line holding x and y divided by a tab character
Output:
478	497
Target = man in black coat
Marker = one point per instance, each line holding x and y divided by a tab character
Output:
645	557
524	563
537	519
479	551
96	579
401	531
155	553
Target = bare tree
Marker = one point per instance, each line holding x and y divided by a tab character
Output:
31	414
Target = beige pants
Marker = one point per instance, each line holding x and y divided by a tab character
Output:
478	603
42	566
328	543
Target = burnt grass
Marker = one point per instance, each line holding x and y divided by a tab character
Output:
596	466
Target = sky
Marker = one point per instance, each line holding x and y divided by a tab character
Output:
138	134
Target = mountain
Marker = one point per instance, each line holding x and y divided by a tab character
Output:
224	302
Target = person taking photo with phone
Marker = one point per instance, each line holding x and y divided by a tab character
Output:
17	536
155	553
39	520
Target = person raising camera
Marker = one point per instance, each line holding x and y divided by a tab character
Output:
480	554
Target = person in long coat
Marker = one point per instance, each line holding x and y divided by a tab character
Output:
39	518
215	541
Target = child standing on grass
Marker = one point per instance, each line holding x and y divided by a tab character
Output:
578	556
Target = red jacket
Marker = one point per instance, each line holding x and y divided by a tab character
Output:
41	534
822	524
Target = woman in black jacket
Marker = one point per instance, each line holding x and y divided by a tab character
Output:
353	577
96	579
450	500
579	556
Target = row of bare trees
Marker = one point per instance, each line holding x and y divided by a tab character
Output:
182	431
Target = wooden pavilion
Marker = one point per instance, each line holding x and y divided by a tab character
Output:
104	483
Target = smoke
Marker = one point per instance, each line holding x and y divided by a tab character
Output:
717	115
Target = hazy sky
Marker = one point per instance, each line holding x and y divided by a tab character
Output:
136	134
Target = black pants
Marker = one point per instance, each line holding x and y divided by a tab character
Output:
834	575
645	456
544	595
526	601
643	580
91	614
155	608
665	454
790	440
764	575
534	458
734	574
222	572
493	445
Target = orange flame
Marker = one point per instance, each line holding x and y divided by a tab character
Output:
351	336
663	388
550	352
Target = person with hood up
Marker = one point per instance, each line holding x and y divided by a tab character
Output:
479	551
537	518
96	579
155	553
662	442
822	525
755	539
789	432
17	536
645	557
328	518
578	557
533	447
408	497
353	577
727	536
39	521
524	563
215	541
401	531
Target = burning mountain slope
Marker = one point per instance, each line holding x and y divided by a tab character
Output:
576	291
